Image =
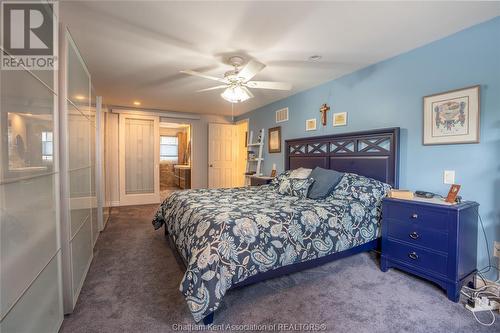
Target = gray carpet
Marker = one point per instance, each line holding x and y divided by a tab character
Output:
133	286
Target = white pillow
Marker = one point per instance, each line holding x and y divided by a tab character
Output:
300	173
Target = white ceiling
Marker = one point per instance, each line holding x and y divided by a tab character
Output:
135	49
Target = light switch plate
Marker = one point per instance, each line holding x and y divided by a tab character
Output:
449	177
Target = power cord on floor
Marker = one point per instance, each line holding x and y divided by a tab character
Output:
485	324
479	293
476	294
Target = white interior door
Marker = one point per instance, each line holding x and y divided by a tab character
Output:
222	155
139	159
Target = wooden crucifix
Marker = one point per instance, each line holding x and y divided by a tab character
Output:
324	108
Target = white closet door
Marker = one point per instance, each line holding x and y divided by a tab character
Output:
139	160
222	155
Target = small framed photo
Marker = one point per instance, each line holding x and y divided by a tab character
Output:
275	140
452	117
453	193
340	119
311	124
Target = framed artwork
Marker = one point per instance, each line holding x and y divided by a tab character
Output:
452	117
311	124
340	119
275	140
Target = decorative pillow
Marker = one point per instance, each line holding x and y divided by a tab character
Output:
280	178
368	191
300	173
324	182
285	175
295	187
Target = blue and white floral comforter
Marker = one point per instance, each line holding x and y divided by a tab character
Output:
228	235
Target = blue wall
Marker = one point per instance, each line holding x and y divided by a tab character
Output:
390	94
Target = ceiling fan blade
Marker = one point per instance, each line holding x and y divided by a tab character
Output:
269	85
190	72
248	92
250	70
212	88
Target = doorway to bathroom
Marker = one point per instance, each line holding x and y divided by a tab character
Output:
175	157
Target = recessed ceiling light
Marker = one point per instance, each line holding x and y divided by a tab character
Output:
315	57
137	103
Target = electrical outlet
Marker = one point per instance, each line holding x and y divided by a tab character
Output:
449	177
496	249
479	304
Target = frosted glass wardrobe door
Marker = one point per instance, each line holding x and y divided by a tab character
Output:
139	160
30	295
76	172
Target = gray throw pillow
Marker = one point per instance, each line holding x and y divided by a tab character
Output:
324	182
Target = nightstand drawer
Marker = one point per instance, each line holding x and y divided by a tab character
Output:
416	257
426	217
414	233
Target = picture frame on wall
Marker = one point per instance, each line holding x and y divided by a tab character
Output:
452	117
340	119
274	144
311	124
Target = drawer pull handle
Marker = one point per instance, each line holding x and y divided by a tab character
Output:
414	235
414	216
413	255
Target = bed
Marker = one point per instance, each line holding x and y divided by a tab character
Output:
228	238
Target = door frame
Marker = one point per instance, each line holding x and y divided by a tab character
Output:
146	198
194	127
242	153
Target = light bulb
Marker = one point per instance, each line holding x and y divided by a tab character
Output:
236	94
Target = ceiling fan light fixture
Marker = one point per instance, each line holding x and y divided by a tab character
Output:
236	94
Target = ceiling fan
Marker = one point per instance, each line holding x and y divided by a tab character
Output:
237	81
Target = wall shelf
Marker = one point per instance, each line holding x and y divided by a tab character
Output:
251	166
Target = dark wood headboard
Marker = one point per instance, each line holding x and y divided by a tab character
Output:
373	154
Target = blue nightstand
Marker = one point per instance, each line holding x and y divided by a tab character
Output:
434	241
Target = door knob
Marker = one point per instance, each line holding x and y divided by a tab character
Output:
211	165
